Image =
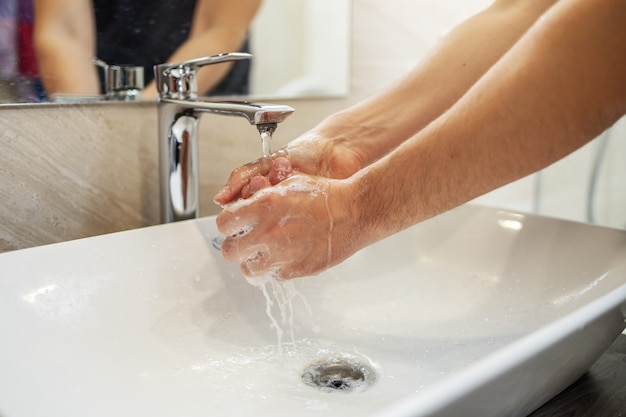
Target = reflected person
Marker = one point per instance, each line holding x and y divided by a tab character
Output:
506	93
70	33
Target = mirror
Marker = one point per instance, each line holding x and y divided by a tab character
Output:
300	48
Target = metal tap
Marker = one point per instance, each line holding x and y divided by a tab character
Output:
121	82
179	111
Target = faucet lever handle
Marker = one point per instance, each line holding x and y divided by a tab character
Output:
194	64
177	80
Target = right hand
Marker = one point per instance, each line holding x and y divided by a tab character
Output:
299	227
312	153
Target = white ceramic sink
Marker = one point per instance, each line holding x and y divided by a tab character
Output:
478	312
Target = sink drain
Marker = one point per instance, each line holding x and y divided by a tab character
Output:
339	374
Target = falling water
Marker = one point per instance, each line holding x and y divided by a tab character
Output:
266	141
266	131
280	294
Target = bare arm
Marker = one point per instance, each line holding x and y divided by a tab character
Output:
442	77
557	88
357	136
64	36
219	26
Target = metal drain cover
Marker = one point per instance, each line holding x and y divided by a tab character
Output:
339	374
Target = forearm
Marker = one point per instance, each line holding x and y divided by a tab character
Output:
379	124
64	38
64	71
554	91
354	138
558	87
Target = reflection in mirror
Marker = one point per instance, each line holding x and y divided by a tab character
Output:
301	49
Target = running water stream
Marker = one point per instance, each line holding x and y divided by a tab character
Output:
279	295
266	132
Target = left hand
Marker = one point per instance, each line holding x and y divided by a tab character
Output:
300	226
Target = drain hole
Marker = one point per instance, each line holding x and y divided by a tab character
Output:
339	374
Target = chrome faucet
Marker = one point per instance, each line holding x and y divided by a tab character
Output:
179	111
121	82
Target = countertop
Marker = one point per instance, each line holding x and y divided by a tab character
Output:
601	392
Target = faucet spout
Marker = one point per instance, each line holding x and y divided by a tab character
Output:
255	113
179	112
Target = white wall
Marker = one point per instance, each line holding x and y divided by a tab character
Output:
568	187
301	48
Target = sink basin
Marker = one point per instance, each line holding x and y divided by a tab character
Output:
478	312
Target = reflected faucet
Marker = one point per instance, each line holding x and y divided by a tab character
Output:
121	82
179	111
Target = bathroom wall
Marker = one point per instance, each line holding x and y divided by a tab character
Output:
74	171
316	45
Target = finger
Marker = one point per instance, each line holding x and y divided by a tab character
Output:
276	263
245	191
239	178
280	171
261	263
241	249
245	246
257	183
236	222
258	265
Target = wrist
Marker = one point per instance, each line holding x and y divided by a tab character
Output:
354	225
363	134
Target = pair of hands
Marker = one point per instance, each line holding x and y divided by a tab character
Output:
288	215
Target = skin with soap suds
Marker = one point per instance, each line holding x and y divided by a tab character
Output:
257	216
508	92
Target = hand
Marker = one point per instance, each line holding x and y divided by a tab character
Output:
300	226
280	169
311	153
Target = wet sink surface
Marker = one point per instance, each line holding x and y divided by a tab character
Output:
477	312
